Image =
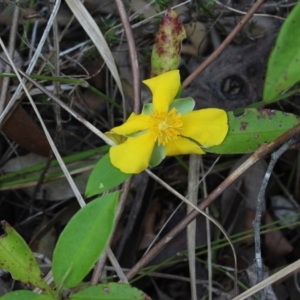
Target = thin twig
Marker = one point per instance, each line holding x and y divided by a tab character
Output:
224	44
116	265
243	12
260	200
56	74
133	56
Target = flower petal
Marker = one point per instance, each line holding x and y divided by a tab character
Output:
133	156
181	146
133	124
208	127
164	88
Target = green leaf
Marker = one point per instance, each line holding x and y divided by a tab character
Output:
83	240
110	291
148	109
284	62
26	295
166	49
104	177
252	129
157	156
17	258
183	105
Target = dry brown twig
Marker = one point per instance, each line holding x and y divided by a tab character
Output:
133	56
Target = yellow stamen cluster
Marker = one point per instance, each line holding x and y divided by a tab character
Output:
165	126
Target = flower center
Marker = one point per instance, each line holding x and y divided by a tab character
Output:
165	126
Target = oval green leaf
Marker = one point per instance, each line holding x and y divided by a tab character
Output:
17	258
148	108
183	105
284	62
157	156
26	295
83	240
104	177
255	127
110	291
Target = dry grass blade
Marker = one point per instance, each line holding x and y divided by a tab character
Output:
133	57
53	147
116	265
208	235
65	107
33	60
93	31
11	50
194	170
162	243
284	272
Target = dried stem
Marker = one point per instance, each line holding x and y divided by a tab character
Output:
133	56
193	179
11	50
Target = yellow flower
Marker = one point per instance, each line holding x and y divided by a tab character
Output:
166	127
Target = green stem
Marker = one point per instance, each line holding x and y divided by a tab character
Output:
26	28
